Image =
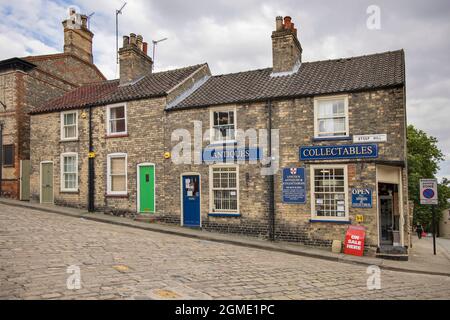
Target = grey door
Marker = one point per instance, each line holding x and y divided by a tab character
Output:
386	220
25	180
47	183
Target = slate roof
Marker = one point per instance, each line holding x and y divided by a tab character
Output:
313	78
108	92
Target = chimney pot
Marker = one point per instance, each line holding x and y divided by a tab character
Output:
279	23
287	22
126	41
132	39
139	41
145	47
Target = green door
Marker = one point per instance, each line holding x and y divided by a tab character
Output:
25	180
47	183
146	189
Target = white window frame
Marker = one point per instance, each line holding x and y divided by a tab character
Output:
317	100
108	174
108	119
211	190
312	169
211	123
62	181
63	138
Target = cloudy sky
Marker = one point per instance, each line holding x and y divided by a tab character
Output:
234	35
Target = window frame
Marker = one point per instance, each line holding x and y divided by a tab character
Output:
108	120
314	216
62	173
13	164
211	124
211	190
109	191
63	138
317	101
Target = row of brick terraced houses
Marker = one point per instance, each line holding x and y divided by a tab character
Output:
335	140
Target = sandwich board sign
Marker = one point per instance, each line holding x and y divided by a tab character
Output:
428	191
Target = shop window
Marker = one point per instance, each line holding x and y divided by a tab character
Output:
117	174
117	120
224	189
331	117
223	125
69	125
69	172
8	155
329	192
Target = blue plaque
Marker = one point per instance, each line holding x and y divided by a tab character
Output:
354	151
362	198
221	155
294	186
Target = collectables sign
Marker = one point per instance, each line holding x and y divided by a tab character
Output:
354	241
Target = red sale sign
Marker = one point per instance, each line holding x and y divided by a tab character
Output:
354	241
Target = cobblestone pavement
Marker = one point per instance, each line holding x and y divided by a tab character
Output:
116	262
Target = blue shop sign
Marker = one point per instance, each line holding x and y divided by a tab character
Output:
354	151
222	155
362	198
294	185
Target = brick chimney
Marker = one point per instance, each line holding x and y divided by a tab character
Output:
286	49
134	60
77	36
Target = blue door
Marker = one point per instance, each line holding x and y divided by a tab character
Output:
191	201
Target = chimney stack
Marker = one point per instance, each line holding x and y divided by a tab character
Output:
134	60
286	49
77	36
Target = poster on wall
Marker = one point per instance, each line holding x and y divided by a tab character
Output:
294	186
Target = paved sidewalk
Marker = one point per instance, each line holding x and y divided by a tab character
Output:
421	260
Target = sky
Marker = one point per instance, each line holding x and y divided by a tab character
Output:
234	35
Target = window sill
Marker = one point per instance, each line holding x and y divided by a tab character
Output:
69	191
222	143
112	136
318	139
8	166
330	221
119	196
224	215
69	140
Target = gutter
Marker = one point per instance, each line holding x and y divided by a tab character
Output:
271	180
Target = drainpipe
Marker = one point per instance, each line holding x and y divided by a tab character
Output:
91	169
1	158
271	177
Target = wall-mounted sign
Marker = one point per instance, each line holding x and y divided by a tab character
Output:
362	198
91	155
428	191
294	185
354	151
359	218
368	138
220	155
354	240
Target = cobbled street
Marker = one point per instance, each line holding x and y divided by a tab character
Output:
116	262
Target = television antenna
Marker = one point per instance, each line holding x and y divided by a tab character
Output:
89	20
154	48
117	31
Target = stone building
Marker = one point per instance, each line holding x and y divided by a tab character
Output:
296	152
30	81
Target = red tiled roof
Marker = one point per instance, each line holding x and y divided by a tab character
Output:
108	92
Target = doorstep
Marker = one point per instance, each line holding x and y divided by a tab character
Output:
289	248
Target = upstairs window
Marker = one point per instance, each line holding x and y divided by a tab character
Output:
331	117
223	125
69	125
117	120
8	155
